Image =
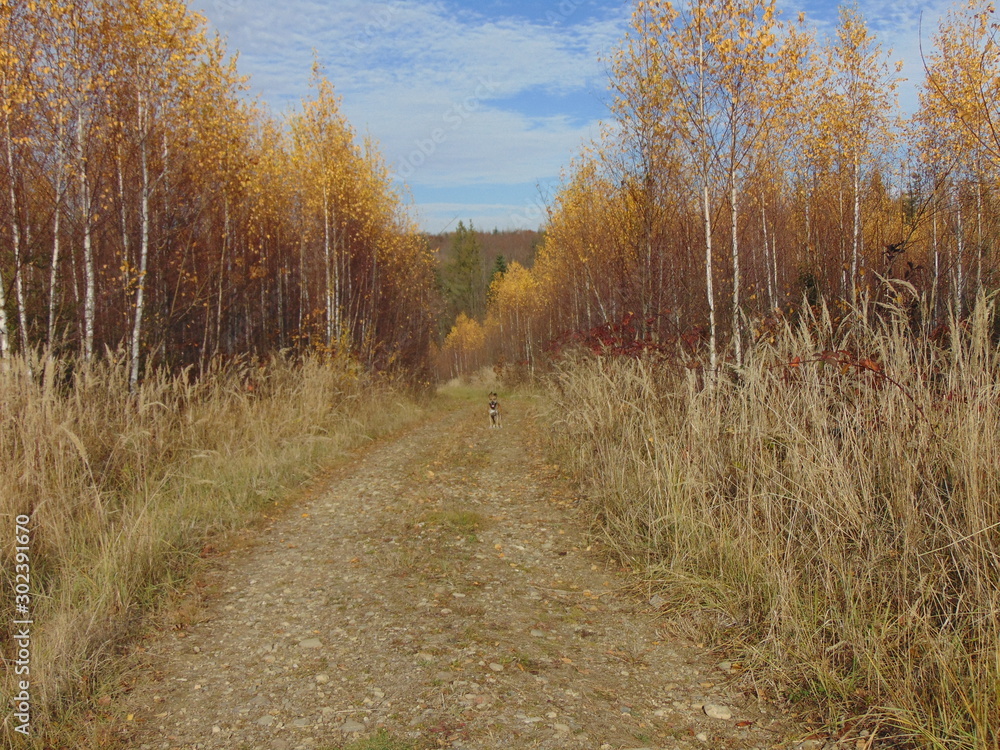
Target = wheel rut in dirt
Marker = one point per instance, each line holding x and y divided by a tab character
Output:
443	588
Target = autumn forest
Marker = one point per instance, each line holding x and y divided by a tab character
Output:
749	169
759	322
150	207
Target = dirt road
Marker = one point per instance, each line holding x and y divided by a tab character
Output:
443	589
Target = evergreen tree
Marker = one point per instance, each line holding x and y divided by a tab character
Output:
496	275
464	286
499	268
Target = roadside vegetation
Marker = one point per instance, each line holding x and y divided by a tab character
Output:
125	488
830	511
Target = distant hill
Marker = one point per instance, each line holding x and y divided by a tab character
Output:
520	245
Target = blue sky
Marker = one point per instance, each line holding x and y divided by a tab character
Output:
478	106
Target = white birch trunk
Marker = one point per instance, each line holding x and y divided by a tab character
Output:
733	217
16	239
56	220
809	239
935	288
856	231
140	289
4	336
979	234
709	286
123	219
331	301
774	266
767	258
15	232
303	287
222	273
339	283
959	262
90	276
707	208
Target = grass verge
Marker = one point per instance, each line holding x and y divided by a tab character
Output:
832	509
124	489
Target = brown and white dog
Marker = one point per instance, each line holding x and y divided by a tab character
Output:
494	411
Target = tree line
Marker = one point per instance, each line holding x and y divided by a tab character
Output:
151	209
470	269
750	168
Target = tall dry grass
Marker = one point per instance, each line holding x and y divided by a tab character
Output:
835	505
124	488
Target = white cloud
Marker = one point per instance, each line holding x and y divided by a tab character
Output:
426	82
403	64
441	217
491	146
442	91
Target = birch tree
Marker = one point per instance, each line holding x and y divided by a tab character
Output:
14	63
322	148
148	207
158	46
858	118
713	80
958	118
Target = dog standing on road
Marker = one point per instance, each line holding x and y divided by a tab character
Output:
494	411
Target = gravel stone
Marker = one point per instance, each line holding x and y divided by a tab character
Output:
715	711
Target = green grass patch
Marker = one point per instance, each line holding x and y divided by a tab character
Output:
459	521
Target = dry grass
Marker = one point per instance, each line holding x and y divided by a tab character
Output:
837	514
124	490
